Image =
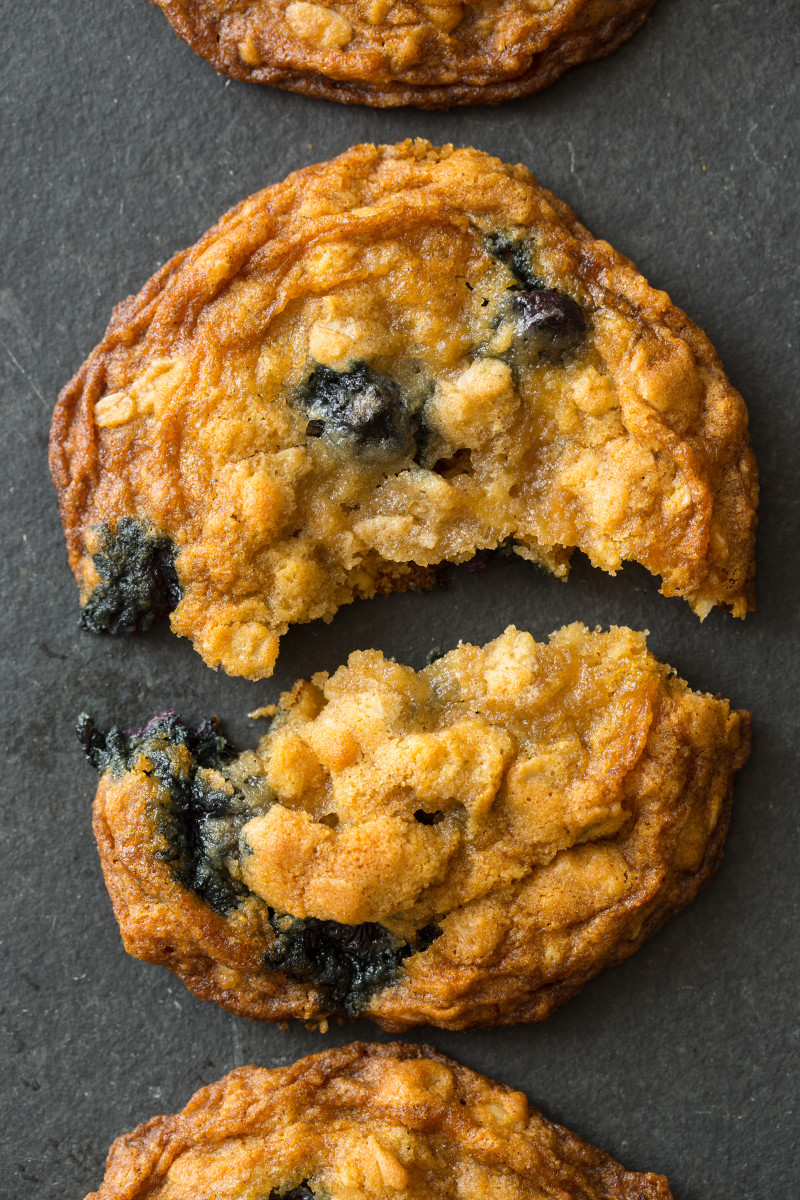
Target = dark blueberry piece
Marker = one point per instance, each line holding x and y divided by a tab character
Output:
105	751
549	321
199	824
208	745
348	963
434	655
138	582
360	407
93	741
302	1192
117	748
514	255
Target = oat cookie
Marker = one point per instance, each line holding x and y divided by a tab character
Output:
389	361
365	1122
431	53
463	846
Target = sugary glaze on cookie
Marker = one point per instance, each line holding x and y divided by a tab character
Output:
465	845
431	53
365	1122
389	361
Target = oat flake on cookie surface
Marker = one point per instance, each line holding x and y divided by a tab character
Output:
462	846
430	53
387	362
364	1122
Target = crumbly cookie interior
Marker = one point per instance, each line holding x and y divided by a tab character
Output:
401	796
326	507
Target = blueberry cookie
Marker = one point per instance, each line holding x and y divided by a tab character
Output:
432	53
462	846
365	1122
392	360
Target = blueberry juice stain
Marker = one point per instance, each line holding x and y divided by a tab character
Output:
199	826
138	581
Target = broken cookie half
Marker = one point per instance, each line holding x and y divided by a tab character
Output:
462	846
364	1122
392	360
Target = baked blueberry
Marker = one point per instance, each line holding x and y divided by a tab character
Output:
548	322
346	963
197	824
359	408
137	583
515	254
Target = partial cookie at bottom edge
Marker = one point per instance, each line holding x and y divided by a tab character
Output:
364	1122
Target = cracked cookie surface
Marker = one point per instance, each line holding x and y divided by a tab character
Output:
430	53
464	846
393	360
364	1122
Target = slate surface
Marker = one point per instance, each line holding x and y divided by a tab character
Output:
121	147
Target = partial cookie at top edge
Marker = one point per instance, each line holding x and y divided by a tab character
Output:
440	55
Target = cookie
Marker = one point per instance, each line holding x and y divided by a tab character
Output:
366	1121
390	361
434	54
462	846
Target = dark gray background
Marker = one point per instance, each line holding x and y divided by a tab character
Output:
121	147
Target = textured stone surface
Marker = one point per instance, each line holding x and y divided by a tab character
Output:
120	146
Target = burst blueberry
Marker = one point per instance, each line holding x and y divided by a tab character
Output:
515	255
138	581
360	407
199	827
348	963
199	824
